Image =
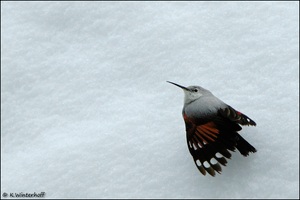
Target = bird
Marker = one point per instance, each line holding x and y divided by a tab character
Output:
212	129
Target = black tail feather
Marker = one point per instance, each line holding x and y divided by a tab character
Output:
244	147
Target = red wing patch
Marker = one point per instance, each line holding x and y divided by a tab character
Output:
201	134
207	132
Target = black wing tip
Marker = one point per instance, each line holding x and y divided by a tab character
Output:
209	167
250	122
236	116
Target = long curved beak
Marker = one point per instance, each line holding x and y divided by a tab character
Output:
179	86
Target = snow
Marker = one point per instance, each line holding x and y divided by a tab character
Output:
86	111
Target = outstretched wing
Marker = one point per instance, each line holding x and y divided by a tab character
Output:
236	116
209	140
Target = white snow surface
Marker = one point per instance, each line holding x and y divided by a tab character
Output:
86	111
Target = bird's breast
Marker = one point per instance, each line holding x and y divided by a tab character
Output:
202	108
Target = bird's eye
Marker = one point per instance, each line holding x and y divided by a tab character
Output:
195	90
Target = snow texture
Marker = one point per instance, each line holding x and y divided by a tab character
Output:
86	111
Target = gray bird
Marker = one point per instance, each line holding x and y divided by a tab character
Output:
211	129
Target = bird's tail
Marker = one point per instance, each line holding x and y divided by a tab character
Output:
244	147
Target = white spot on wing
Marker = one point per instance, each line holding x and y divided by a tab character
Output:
213	161
199	145
218	155
198	163
206	164
195	147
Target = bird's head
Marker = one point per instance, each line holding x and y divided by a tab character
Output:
192	93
